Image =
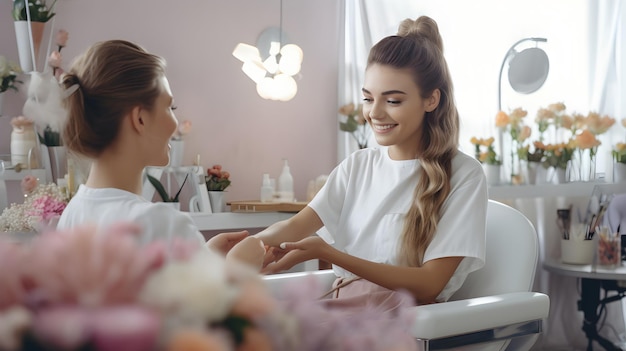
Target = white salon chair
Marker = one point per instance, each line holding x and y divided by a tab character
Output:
494	309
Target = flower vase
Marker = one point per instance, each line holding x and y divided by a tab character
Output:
28	50
177	149
217	201
493	173
174	205
559	175
533	171
583	165
1	102
619	172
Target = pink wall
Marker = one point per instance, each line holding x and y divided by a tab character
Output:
233	126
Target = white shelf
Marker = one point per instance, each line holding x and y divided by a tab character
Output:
11	174
232	220
574	189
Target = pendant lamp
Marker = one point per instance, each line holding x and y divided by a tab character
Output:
272	63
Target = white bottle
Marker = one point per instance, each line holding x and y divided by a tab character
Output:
267	191
285	184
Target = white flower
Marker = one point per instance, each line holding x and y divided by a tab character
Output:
196	291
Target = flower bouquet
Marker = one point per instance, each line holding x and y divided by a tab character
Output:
73	290
485	151
43	205
217	179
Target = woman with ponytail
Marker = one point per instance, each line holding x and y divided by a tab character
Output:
406	216
121	117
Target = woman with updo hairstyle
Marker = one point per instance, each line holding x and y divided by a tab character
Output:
121	117
410	214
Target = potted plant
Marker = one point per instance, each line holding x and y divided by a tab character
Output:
161	189
30	17
217	180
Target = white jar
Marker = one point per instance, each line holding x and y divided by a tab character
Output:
23	145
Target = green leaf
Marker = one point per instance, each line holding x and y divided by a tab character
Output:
181	189
160	189
236	325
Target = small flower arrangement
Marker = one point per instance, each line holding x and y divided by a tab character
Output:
355	123
557	155
8	75
217	179
619	151
158	186
485	151
183	129
524	153
73	290
43	203
39	10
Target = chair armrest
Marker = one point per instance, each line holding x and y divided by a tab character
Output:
276	283
476	314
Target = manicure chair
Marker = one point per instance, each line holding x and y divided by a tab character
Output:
495	308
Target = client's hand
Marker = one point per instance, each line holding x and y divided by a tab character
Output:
223	242
291	254
249	250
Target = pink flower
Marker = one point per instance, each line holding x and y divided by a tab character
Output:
28	184
55	60
92	266
184	127
12	260
61	38
47	207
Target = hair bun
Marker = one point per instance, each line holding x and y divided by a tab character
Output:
424	27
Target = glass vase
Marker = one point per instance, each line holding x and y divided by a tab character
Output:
583	165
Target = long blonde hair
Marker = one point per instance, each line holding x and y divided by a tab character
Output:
418	46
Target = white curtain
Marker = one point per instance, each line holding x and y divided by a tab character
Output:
365	23
607	65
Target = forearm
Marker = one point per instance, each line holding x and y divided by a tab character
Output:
303	224
424	283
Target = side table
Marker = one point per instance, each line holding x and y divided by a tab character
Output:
593	279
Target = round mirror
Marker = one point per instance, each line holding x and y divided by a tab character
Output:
528	70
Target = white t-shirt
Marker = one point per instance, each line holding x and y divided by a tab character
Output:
107	206
364	202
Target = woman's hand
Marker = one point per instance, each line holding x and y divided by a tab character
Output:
290	254
223	242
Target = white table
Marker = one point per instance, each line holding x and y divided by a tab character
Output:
593	279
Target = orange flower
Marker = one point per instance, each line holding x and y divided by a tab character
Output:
544	114
599	125
347	109
567	122
517	115
557	107
502	119
586	140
